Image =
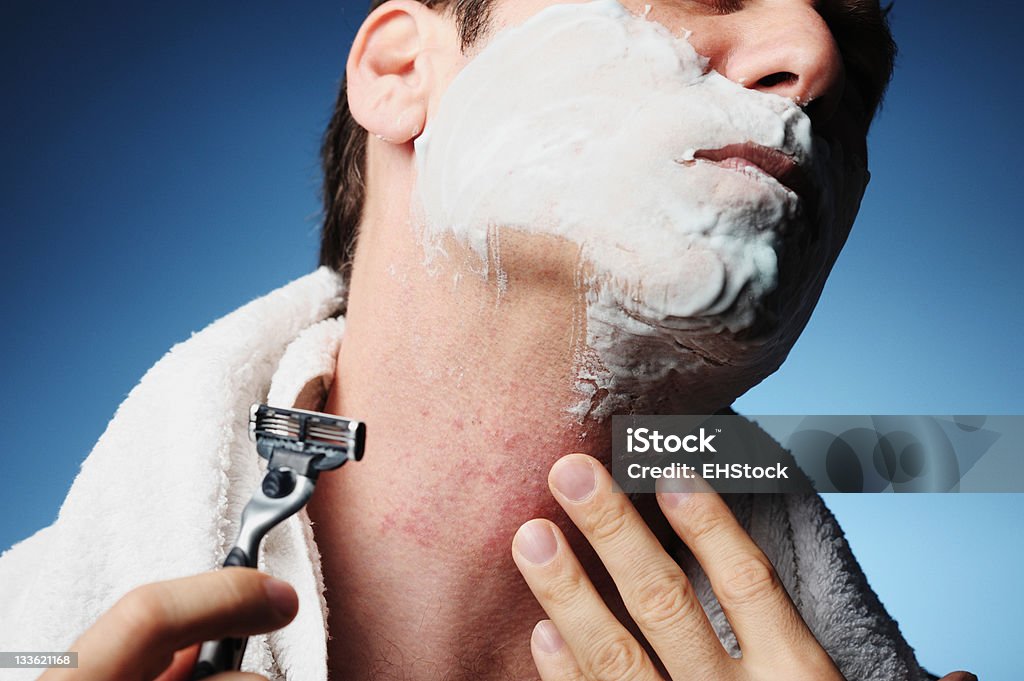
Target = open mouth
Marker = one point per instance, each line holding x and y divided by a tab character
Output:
771	162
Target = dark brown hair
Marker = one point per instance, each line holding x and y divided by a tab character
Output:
860	27
343	152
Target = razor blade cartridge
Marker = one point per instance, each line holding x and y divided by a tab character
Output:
326	441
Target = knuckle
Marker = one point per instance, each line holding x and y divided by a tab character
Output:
704	522
239	585
616	658
143	610
748	580
812	666
562	590
663	602
606	522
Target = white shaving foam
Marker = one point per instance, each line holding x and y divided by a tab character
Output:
582	123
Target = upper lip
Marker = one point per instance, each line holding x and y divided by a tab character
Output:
782	167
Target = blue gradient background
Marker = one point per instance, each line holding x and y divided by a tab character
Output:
160	169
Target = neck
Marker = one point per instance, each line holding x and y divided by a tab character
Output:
465	387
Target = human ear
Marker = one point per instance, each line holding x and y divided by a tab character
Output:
390	70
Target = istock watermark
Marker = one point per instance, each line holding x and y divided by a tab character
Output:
801	454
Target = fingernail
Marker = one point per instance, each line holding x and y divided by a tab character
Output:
674	491
536	542
574	478
282	596
546	637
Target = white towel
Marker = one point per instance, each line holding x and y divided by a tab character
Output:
161	494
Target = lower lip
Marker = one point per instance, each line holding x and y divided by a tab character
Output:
737	163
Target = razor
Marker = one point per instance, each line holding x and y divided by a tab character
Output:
298	445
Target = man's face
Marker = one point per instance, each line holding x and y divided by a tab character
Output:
794	48
704	213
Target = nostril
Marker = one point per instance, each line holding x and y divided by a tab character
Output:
776	79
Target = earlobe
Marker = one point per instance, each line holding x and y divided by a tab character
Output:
389	71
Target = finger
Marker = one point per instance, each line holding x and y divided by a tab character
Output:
653	587
137	638
181	669
182	665
759	609
602	647
553	658
959	676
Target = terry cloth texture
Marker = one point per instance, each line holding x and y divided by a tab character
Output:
161	493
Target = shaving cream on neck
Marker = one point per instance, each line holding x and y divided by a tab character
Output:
582	123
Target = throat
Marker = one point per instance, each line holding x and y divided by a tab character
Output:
416	549
416	557
420	582
416	538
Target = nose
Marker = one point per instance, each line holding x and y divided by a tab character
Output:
785	49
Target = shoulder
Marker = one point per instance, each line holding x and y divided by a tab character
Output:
19	574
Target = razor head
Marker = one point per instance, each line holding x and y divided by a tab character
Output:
323	441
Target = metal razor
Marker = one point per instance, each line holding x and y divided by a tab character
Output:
298	445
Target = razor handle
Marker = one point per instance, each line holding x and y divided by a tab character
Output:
298	445
218	656
282	493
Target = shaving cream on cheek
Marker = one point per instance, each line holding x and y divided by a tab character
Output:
582	123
